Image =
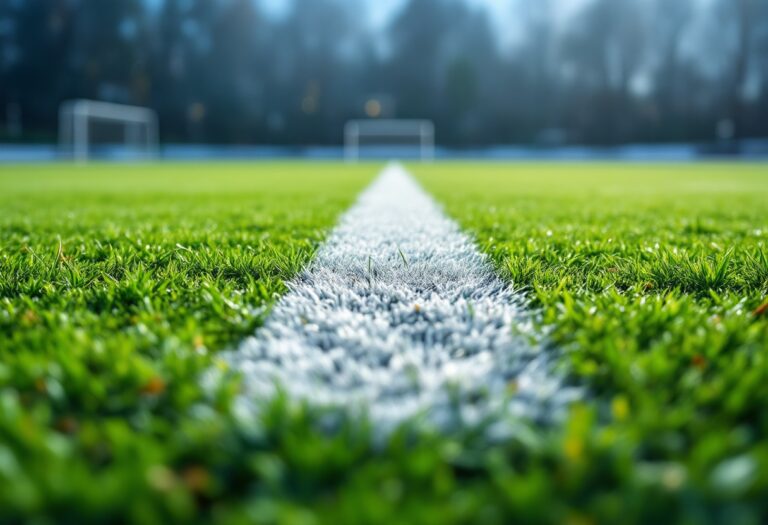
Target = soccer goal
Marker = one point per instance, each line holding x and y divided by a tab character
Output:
389	138
88	127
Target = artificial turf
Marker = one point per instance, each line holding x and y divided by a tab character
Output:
119	284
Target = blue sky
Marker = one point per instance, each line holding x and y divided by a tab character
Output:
501	12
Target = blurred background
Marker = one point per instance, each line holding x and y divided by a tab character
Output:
489	73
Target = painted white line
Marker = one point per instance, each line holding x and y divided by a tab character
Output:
399	315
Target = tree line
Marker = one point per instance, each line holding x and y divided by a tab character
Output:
232	71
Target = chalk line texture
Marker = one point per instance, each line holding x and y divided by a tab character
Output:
399	315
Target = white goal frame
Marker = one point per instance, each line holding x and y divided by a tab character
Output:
355	130
75	117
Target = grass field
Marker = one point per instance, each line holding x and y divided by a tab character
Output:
654	280
119	284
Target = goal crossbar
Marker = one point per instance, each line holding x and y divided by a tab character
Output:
354	130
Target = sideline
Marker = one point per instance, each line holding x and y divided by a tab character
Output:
400	315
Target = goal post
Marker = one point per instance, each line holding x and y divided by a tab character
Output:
361	133
77	136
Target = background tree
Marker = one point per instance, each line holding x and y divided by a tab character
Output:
234	71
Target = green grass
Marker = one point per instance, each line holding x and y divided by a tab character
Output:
653	280
119	284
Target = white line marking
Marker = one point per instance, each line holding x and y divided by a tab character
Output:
400	315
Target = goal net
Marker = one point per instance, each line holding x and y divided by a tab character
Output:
389	138
89	128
